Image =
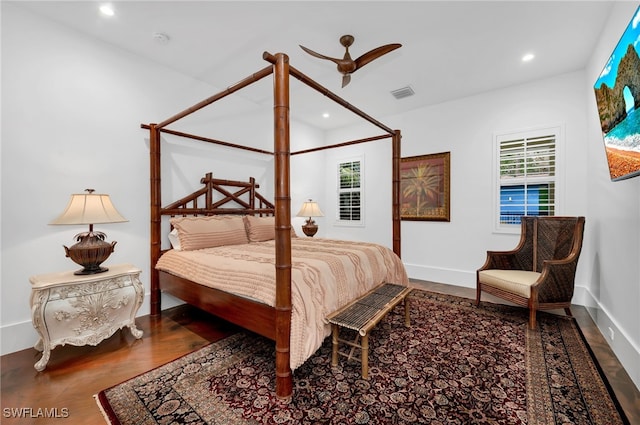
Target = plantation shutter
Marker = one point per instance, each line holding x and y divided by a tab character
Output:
527	176
349	191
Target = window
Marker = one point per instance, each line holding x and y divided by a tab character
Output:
350	191
526	183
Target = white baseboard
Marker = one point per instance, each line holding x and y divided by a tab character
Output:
17	336
22	335
463	278
622	345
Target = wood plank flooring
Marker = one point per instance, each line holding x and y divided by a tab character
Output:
74	374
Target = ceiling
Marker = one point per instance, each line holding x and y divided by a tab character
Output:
451	49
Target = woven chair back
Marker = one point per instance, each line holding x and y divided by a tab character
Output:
548	238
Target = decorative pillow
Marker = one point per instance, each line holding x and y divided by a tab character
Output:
260	229
210	231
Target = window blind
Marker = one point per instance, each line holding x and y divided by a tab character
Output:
349	191
527	179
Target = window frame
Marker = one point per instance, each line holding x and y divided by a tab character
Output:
338	220
528	134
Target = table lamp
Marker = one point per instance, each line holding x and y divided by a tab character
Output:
91	249
310	209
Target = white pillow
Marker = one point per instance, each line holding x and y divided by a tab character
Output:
174	239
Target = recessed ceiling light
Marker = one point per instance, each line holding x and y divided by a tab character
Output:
325	115
107	10
161	38
528	57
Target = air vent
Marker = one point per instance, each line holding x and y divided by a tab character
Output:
403	92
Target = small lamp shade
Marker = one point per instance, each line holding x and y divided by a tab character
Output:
89	208
310	209
91	249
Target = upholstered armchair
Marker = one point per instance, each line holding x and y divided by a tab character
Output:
539	273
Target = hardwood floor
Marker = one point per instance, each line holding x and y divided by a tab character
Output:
74	374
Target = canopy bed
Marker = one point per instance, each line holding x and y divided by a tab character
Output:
271	319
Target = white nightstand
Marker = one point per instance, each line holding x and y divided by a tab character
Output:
84	310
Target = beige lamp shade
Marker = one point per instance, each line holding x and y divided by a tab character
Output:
89	208
310	209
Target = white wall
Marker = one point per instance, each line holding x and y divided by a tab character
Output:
613	222
608	276
450	252
65	128
72	109
376	190
466	128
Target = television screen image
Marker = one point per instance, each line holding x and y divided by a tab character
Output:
617	93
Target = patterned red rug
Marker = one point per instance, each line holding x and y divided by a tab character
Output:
457	364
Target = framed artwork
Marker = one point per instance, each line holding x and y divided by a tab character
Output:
424	187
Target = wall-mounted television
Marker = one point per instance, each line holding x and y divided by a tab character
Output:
618	97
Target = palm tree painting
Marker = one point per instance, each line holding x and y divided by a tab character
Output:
424	187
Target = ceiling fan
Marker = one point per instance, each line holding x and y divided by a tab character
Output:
346	65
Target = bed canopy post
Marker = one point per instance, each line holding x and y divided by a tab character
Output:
154	153
395	190
282	153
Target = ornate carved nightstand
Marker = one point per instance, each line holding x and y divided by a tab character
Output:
84	310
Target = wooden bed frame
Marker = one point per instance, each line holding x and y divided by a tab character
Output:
271	322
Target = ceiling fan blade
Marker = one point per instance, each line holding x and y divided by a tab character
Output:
346	79
375	54
318	55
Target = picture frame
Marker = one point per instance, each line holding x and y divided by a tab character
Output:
425	187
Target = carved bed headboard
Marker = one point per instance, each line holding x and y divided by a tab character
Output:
219	196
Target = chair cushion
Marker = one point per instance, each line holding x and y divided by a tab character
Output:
515	281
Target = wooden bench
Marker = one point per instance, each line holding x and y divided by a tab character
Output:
361	316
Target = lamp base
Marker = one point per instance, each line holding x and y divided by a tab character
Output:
87	271
90	251
310	228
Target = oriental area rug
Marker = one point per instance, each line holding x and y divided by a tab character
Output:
456	364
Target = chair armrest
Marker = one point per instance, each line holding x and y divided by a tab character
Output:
557	280
503	260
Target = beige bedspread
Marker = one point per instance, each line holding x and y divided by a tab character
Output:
326	274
